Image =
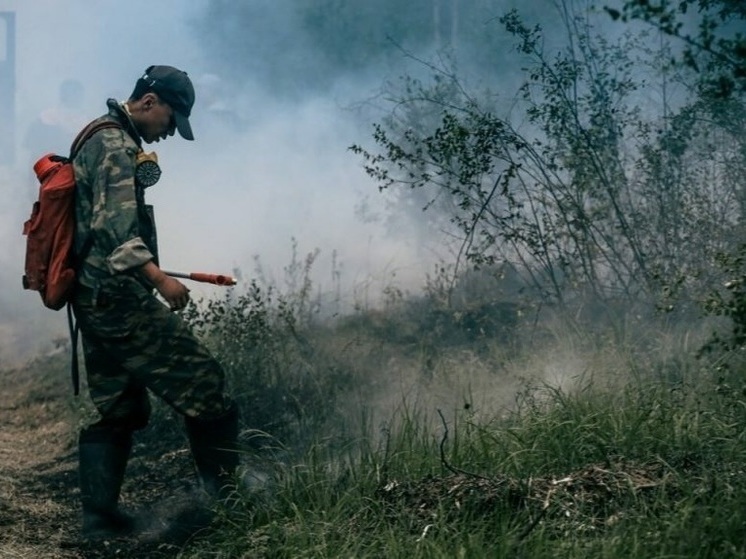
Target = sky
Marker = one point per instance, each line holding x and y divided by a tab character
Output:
224	200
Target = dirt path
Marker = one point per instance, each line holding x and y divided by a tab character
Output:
39	510
37	470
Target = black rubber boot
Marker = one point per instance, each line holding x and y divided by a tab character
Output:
103	456
214	447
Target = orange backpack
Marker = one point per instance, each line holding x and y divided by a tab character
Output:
50	263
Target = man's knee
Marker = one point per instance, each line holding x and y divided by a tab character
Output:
201	395
207	407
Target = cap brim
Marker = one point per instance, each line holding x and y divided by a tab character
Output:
183	126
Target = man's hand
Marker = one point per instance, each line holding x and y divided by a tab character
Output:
172	290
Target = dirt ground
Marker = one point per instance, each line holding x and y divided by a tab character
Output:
39	508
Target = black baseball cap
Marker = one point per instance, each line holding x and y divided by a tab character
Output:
175	88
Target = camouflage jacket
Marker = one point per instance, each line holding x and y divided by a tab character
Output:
115	229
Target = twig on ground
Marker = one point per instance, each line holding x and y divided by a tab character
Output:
443	454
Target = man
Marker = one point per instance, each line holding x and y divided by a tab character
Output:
133	343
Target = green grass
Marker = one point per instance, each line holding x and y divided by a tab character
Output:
647	470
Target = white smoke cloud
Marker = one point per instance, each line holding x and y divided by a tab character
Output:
223	199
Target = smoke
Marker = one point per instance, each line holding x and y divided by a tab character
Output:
262	171
269	173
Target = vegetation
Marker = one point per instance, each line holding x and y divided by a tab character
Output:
572	385
635	451
587	186
582	200
714	46
587	441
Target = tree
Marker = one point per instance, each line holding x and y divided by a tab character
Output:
716	47
585	186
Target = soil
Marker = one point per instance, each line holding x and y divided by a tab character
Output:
39	496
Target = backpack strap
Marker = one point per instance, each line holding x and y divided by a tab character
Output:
73	325
74	329
89	131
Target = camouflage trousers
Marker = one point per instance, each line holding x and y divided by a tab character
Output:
133	344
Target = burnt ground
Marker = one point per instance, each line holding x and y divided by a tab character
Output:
39	508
